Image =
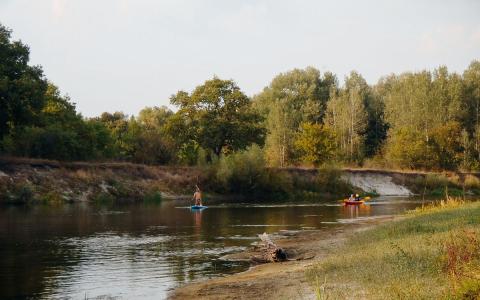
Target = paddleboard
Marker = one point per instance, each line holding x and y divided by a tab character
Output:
198	207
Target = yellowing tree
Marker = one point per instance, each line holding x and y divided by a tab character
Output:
315	143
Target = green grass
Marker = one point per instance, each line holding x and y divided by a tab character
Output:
433	253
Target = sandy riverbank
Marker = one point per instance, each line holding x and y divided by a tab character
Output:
284	280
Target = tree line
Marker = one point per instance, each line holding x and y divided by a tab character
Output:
418	120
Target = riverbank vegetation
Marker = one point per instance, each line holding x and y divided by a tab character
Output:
432	253
424	120
441	184
240	176
414	120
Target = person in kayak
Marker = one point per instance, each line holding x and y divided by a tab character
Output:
357	197
197	196
352	198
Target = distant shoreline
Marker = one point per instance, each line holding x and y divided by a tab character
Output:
27	181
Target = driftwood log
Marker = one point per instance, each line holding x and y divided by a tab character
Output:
270	251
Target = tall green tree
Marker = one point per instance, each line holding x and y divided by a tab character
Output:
347	117
471	121
22	87
152	143
61	133
154	118
218	116
292	98
430	105
118	126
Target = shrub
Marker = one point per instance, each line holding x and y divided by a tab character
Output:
329	179
245	173
433	181
472	182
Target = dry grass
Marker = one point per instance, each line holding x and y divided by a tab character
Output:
433	253
472	182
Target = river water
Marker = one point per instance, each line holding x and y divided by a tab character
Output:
80	251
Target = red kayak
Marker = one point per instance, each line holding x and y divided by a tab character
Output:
348	202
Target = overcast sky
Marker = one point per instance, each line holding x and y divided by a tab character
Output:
123	55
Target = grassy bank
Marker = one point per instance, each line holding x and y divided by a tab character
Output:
242	175
43	181
432	253
440	184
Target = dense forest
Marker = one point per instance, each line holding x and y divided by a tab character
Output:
416	120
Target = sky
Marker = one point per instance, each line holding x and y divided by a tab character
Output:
123	55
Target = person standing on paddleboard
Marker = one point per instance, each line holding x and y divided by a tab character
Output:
197	196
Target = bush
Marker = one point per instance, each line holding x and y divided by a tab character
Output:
472	182
329	179
245	173
433	181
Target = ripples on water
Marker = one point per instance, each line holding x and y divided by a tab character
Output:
139	251
108	263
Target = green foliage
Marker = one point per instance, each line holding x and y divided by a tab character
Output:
377	128
422	120
292	98
315	143
118	127
218	116
22	87
49	142
154	118
329	180
142	139
347	117
407	149
433	181
188	153
245	173
446	144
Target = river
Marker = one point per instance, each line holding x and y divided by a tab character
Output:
79	251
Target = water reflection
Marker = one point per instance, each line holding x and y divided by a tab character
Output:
355	211
141	250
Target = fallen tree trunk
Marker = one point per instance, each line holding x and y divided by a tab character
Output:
271	252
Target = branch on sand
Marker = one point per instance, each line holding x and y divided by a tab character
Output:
270	252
